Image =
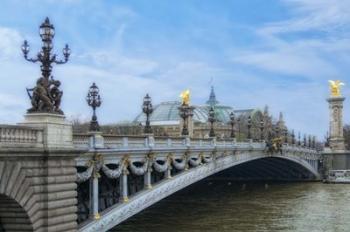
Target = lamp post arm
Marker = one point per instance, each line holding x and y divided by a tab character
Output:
34	60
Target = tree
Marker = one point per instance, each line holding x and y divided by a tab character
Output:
346	130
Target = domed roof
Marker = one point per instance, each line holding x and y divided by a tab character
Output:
164	113
167	113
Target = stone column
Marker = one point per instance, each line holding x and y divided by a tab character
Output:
168	171
336	123
147	177
124	185
95	212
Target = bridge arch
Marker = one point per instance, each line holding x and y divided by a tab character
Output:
13	216
17	199
120	212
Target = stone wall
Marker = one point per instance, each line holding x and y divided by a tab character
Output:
38	190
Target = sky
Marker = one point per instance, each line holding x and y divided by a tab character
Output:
279	53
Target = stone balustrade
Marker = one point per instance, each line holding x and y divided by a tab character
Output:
20	136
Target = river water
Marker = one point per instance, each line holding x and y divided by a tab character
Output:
226	206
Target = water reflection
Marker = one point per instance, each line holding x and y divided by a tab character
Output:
220	206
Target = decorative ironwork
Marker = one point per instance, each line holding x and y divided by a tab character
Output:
309	141
293	137
314	142
239	128
211	119
46	96
185	112
249	125
147	108
285	135
232	121
93	99
327	142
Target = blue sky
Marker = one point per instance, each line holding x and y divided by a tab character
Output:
257	52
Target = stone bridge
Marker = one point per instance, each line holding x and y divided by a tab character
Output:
51	180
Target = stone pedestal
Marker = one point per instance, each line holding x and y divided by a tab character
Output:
336	141
335	158
57	131
96	140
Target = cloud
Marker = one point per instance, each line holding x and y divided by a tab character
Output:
322	15
129	52
9	41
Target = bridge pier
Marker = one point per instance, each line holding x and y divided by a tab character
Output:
38	173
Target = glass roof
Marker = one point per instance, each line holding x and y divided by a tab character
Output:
169	112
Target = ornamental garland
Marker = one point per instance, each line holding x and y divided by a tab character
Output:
207	159
195	161
84	176
139	170
161	167
179	165
113	173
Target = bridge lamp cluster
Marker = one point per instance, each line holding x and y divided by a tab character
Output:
47	33
249	125
232	122
147	109
211	119
93	99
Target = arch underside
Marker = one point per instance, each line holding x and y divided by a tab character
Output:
12	216
254	167
269	168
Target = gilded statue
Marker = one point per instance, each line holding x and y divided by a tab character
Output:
185	97
335	87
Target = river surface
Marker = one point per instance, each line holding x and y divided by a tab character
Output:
224	206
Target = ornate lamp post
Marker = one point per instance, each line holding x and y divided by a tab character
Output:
147	108
277	131
185	111
286	135
239	127
93	99
184	115
327	140
309	141
249	125
293	137
46	97
211	119
262	124
232	121
299	139
304	140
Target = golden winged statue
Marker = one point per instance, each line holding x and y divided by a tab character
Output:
335	87
185	97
